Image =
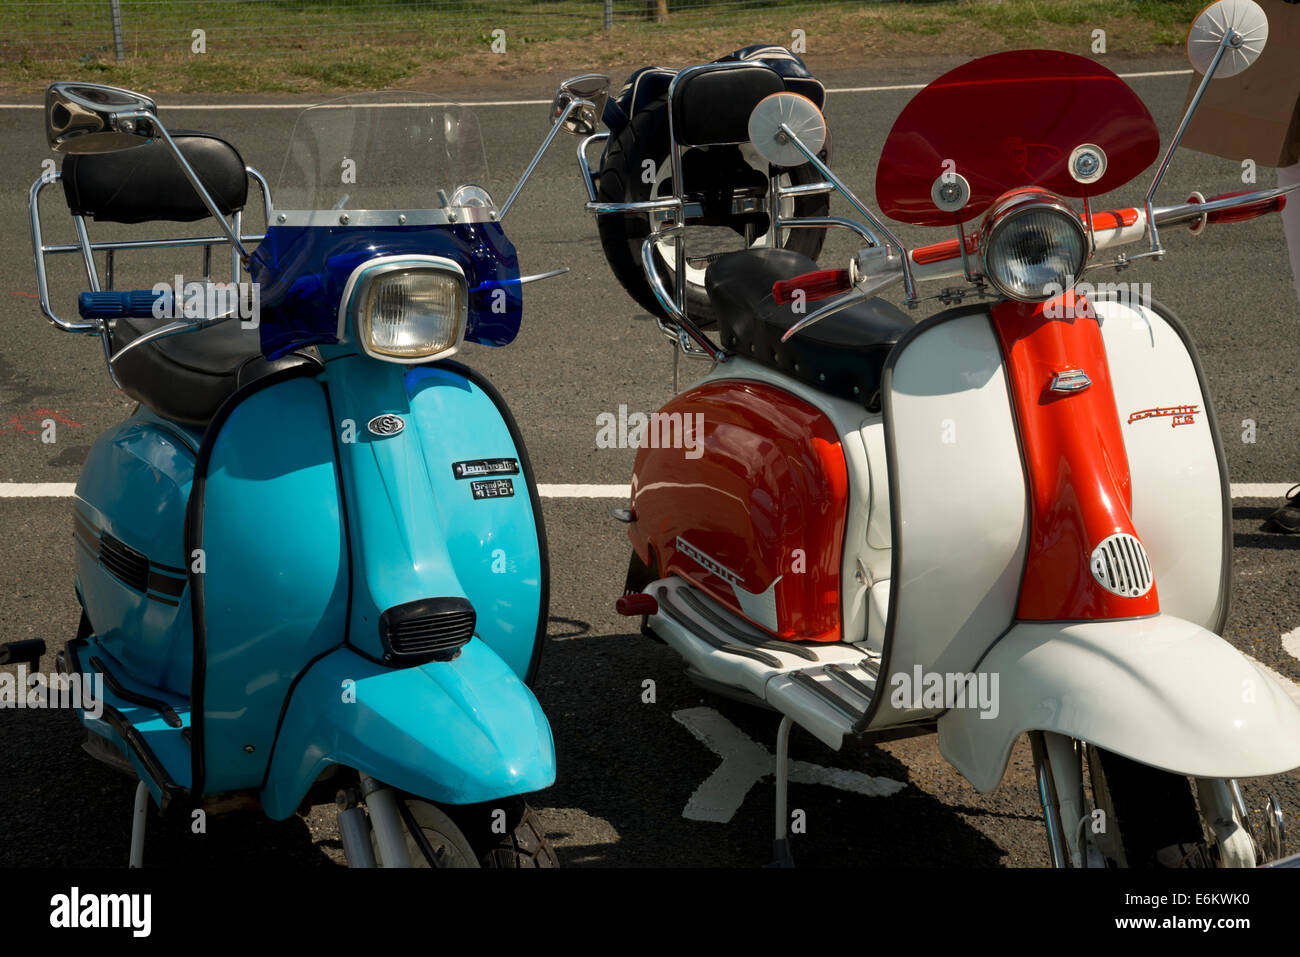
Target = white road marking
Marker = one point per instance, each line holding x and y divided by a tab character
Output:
65	489
745	763
1291	643
182	107
37	489
1262	489
584	491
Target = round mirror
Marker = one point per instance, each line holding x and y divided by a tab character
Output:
797	114
1245	19
592	89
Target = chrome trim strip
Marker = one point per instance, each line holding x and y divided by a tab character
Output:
382	217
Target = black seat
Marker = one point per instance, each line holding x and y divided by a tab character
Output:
842	355
186	377
146	183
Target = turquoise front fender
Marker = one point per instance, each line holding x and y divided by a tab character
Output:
455	732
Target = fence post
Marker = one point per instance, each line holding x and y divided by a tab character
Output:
656	10
609	14
119	45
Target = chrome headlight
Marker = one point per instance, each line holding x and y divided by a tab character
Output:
1034	246
408	308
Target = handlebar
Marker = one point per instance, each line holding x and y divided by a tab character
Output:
27	651
126	304
821	284
1239	214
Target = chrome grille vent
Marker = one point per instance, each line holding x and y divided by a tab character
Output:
1119	564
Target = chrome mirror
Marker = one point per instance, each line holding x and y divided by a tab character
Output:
92	118
776	117
1225	39
1244	26
589	91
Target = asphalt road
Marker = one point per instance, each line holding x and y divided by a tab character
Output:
627	769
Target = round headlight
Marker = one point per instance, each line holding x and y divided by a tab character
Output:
1034	246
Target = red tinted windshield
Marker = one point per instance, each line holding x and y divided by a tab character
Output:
1010	120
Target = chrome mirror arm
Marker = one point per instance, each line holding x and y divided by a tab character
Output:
1231	38
193	177
555	129
908	285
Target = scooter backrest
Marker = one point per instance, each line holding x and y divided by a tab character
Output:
146	184
711	103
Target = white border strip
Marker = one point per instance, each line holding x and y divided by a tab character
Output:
65	490
183	107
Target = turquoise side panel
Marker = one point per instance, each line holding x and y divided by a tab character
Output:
134	487
276	571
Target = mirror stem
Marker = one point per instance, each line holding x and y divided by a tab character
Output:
1230	39
546	143
847	193
199	188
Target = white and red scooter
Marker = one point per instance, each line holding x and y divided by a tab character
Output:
1009	518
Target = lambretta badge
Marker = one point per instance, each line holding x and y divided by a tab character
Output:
386	425
477	467
1181	414
709	564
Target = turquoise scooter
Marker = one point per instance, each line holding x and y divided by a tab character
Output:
311	563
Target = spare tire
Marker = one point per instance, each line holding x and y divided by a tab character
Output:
636	167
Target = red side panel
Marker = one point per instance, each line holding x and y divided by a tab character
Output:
762	500
1074	451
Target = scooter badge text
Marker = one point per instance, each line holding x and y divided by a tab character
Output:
1181	414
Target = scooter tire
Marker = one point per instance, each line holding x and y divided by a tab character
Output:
518	841
1153	812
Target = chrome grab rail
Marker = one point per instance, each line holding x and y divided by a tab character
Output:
87	249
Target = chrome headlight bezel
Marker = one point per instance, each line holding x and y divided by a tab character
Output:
1011	208
355	302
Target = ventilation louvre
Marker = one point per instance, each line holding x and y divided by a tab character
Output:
1119	564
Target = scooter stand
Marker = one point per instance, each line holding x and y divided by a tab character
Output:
139	818
782	857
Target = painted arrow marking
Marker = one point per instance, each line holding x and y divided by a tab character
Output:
1291	643
745	763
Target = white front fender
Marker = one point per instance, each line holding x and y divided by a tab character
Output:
1159	690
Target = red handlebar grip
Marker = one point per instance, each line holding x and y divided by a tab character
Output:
1243	213
815	285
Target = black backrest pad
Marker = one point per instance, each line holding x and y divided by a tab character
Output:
711	104
146	183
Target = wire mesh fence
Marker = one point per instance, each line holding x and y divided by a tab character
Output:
123	30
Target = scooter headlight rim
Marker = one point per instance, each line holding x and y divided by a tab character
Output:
408	309
1036	233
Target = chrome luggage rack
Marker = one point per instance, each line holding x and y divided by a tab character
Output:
88	249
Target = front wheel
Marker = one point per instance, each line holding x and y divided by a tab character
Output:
1148	817
432	837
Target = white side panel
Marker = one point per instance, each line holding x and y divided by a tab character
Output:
961	505
1159	690
877	614
853	423
1178	494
